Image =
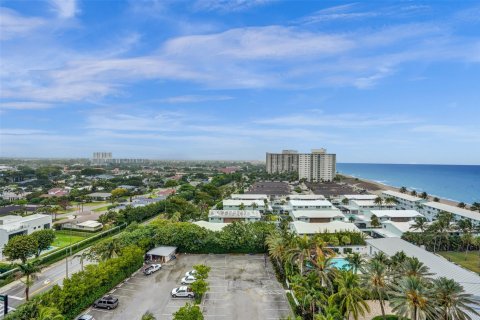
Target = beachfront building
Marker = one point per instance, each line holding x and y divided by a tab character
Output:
284	162
249	196
362	207
392	229
352	197
317	216
233	204
404	201
228	216
431	209
11	226
315	166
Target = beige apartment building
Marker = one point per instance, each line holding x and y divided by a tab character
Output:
315	166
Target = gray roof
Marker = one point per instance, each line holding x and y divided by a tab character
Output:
438	265
162	251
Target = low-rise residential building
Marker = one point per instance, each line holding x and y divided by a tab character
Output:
231	204
363	206
99	196
12	196
58	192
431	209
394	229
212	226
11	226
84	222
317	216
249	196
352	197
310	205
306	197
305	228
228	216
395	215
404	201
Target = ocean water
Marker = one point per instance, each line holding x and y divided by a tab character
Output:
454	182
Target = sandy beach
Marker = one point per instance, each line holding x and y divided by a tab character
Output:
377	188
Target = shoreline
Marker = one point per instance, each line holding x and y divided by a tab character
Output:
384	187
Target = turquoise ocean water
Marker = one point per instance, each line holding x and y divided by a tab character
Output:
454	182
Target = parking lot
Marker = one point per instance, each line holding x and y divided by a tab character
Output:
240	288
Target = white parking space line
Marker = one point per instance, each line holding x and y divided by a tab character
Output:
16	298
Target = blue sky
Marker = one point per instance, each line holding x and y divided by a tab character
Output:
383	81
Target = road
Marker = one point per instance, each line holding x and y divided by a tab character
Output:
44	281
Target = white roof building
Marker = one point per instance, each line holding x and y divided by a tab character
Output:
16	225
405	201
249	196
317	216
360	196
431	209
306	197
226	216
310	204
439	266
398	215
246	203
212	226
301	228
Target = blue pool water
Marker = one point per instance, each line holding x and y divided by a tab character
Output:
341	264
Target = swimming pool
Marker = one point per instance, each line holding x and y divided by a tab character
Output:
341	264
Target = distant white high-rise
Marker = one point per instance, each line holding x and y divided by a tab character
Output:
315	166
101	157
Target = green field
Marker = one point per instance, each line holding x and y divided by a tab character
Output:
472	262
104	208
63	239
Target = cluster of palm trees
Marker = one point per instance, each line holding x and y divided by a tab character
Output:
327	292
444	233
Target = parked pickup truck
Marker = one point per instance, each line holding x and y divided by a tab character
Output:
183	291
152	268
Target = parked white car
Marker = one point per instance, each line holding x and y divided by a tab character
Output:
182	291
188	280
152	268
191	273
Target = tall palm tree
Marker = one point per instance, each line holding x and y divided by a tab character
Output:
467	239
411	298
413	193
391	200
356	261
420	223
85	255
462	205
300	251
424	195
378	201
381	257
28	270
403	189
277	246
324	267
349	296
412	267
452	300
374	280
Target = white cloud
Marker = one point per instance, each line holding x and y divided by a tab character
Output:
65	8
25	105
194	98
21	132
348	120
450	132
228	5
13	25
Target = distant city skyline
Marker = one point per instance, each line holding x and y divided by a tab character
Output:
380	82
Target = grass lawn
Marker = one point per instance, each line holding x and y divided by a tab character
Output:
104	208
64	239
88	204
472	262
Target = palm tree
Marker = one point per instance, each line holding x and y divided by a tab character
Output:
277	246
356	261
475	206
82	256
413	193
375	280
381	257
345	201
300	251
349	296
411	298
436	199
241	206
412	267
420	223
49	313
403	189
391	200
378	201
374	221
424	195
325	269
452	300
467	240
28	270
462	205
351	219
